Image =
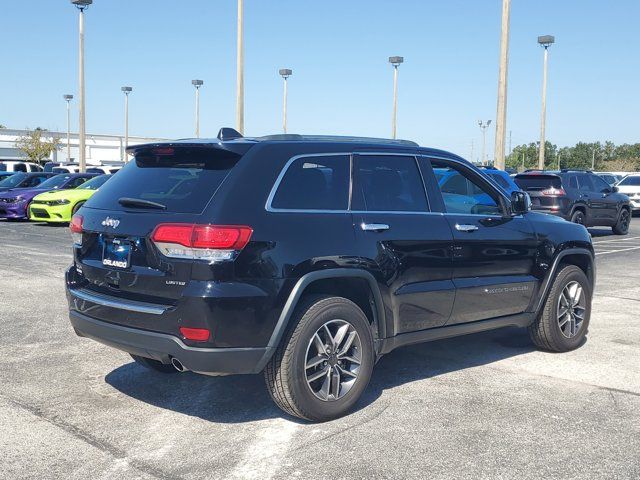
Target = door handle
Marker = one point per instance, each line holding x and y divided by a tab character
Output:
374	227
466	228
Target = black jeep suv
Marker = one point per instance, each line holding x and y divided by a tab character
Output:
308	258
578	196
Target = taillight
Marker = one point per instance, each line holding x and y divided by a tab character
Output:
195	334
205	242
76	229
553	191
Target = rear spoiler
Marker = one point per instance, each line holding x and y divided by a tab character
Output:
239	148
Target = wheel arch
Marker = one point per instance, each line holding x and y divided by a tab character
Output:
332	281
580	257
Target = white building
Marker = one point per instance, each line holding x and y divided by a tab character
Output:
100	148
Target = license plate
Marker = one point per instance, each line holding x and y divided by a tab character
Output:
116	253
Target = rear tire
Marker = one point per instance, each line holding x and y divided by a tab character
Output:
324	362
564	320
153	364
622	225
578	217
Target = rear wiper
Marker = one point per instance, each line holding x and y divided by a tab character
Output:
138	202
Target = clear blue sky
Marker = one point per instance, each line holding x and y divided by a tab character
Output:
338	50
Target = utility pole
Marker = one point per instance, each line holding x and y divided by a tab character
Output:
395	61
546	41
593	159
523	167
501	114
240	70
471	157
510	142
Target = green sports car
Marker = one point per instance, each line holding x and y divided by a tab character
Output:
58	206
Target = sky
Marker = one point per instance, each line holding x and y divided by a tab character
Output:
342	82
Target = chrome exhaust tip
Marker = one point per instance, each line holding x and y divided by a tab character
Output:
177	364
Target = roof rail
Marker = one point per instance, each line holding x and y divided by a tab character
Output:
334	138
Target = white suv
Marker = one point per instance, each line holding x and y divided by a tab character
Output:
630	186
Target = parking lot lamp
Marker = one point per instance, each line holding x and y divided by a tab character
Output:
483	126
545	41
126	91
68	99
395	61
82	5
285	73
197	84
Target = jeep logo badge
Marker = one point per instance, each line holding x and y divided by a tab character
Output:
110	222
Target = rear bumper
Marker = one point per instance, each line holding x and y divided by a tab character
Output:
163	347
552	211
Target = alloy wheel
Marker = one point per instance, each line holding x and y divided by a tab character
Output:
624	220
571	309
333	359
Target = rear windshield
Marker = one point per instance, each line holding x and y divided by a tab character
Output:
182	179
631	181
538	182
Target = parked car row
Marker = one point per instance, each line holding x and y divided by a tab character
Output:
46	196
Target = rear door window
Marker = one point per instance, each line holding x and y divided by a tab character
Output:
182	179
388	183
314	183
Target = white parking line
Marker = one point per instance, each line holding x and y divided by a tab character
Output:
625	239
619	250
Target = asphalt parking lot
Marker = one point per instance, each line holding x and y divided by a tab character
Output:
481	406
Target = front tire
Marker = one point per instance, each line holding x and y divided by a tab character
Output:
76	207
622	225
578	217
324	363
564	321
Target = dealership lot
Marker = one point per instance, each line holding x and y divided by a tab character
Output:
481	406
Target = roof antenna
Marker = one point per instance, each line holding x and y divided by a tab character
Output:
227	133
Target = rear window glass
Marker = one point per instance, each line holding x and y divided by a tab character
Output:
315	183
538	182
631	181
181	179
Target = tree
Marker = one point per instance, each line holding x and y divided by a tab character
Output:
36	146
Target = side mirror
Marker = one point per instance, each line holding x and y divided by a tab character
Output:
520	202
615	189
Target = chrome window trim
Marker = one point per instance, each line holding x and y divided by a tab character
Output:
269	208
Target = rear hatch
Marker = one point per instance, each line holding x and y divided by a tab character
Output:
162	184
545	189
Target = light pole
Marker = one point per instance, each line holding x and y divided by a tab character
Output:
501	114
395	61
546	41
285	73
81	4
483	126
197	84
126	91
240	70
68	99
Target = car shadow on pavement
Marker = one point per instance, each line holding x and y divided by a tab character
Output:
244	398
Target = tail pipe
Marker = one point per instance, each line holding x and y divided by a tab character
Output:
177	364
